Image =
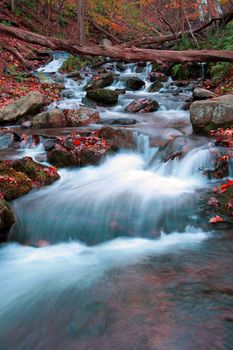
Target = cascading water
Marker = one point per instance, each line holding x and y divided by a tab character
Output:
116	256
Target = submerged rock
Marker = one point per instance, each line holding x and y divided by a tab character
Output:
104	97
212	113
54	118
134	83
26	105
143	105
6	220
202	94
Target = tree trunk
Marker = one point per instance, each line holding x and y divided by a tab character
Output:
81	22
120	52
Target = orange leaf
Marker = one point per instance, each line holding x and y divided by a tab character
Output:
216	219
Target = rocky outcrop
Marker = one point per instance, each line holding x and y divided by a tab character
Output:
202	94
6	220
134	83
81	116
26	105
212	113
103	97
143	105
54	118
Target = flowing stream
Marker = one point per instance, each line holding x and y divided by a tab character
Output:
117	256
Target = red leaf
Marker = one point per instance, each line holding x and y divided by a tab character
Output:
216	219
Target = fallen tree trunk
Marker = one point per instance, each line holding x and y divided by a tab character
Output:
132	54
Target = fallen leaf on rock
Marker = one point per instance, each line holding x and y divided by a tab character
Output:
216	219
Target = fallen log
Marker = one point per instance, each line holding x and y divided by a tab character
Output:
131	54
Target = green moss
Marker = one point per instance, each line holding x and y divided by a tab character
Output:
6	219
13	184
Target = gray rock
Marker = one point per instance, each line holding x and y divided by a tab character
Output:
212	113
49	144
26	105
103	96
202	94
68	93
106	42
81	116
54	118
118	121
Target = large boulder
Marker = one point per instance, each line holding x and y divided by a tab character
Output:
142	105
6	219
100	82
104	97
26	105
54	118
81	116
202	94
134	83
212	113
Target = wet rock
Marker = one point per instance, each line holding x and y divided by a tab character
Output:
6	220
140	67
74	75
13	184
100	82
26	105
157	76
120	91
143	105
79	151
120	66
81	116
134	83
68	93
49	144
212	113
103	96
39	174
54	118
202	94
118	138
26	125
89	103
156	86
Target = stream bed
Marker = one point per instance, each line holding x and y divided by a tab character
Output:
118	256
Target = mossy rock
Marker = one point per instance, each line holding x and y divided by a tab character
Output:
104	97
6	219
13	184
38	173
